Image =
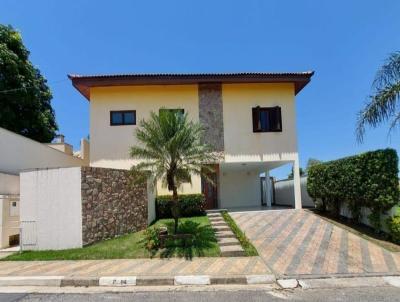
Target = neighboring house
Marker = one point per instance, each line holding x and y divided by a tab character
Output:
249	117
9	209
19	154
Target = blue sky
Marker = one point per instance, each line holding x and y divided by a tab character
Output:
345	42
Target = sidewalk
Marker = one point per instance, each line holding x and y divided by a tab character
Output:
218	270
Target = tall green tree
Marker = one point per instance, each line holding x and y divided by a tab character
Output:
291	174
171	150
25	106
383	104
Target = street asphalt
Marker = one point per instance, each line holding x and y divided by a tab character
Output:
363	294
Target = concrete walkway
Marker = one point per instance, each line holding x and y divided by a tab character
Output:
298	243
216	266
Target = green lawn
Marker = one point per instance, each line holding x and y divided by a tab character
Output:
132	245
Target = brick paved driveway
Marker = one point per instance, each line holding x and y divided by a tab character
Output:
297	242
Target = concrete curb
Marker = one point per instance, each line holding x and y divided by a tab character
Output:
204	280
31	281
123	281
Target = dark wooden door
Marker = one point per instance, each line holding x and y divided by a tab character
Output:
210	190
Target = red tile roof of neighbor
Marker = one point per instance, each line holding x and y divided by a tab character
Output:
83	83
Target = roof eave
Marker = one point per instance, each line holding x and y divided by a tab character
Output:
84	83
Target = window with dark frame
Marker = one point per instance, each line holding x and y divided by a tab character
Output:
123	117
267	119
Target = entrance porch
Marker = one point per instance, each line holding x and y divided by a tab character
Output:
244	185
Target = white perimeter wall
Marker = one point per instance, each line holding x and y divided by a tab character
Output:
18	153
239	189
284	193
9	184
52	200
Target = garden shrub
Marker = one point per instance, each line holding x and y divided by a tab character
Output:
393	224
151	238
190	205
366	180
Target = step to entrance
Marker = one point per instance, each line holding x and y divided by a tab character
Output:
232	251
216	218
215	211
224	234
219	223
212	215
221	228
228	241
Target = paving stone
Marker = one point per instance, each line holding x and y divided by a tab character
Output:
228	241
232	251
224	234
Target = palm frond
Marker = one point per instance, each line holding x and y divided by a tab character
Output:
389	73
171	144
381	107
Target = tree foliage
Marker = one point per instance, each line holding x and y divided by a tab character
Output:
24	94
171	151
291	174
366	180
383	104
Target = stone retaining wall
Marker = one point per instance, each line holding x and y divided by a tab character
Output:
111	205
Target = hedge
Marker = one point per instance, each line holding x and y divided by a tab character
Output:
366	180
190	205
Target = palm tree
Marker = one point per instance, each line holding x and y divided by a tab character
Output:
383	105
171	149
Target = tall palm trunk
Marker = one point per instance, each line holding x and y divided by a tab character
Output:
175	208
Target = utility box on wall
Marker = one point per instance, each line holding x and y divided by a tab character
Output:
71	207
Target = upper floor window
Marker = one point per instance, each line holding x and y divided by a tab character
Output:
123	117
176	111
267	119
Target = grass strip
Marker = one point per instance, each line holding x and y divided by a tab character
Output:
248	248
131	246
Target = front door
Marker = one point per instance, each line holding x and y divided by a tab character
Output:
210	190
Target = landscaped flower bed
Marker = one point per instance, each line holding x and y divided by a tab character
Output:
203	244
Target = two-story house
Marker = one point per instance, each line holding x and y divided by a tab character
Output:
249	117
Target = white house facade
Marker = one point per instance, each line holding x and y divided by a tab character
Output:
249	117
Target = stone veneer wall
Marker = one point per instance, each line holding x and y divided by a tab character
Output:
111	206
211	114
